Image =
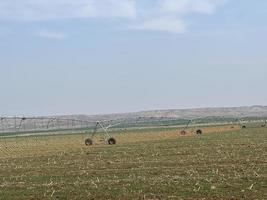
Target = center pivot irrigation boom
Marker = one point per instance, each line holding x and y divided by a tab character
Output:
190	121
109	140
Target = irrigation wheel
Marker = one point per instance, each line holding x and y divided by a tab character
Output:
199	132
111	141
88	142
183	132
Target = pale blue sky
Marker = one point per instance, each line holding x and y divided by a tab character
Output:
103	56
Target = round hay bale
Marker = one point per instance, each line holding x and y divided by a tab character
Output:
88	142
199	132
183	132
111	141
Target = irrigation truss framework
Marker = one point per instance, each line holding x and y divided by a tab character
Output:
20	125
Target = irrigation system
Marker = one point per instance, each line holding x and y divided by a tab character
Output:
32	126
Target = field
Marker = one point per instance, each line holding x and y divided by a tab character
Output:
223	163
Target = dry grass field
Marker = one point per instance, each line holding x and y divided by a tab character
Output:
223	163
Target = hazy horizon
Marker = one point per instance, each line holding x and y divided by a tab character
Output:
136	111
118	56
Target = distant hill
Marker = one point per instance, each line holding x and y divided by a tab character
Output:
228	112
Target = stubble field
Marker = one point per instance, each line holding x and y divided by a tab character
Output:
223	163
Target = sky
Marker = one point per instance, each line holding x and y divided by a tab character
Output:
109	56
